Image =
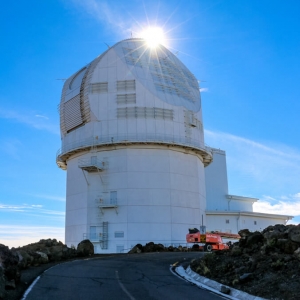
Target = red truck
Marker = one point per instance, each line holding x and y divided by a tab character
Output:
212	240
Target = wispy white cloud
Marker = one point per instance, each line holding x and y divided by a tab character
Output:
297	196
49	197
30	119
265	171
119	19
285	205
111	16
203	90
15	235
255	168
41	116
11	147
30	209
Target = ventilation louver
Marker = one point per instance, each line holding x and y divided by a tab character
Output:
126	98
145	112
126	85
99	87
72	113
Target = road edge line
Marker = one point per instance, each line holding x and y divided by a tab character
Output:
30	287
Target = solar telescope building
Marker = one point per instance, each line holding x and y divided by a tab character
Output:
133	147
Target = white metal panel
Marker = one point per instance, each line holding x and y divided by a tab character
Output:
155	214
216	182
151	230
160	196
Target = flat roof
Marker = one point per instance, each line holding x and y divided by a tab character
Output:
241	198
248	213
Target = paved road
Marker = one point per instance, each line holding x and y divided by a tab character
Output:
140	276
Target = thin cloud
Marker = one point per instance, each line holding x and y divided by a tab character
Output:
49	197
290	206
43	117
30	209
12	148
112	17
255	168
40	123
203	90
270	173
105	14
16	236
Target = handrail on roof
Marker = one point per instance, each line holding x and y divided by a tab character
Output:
143	138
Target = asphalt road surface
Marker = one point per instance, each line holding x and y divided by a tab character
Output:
134	277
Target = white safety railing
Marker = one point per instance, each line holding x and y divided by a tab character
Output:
108	202
88	162
137	138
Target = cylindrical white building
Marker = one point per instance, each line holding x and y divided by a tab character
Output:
133	148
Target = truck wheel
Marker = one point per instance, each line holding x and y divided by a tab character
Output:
208	248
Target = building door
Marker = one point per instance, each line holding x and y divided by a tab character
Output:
113	197
93	233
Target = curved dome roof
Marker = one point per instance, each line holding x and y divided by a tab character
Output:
157	69
161	72
135	93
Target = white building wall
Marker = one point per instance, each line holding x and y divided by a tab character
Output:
216	182
76	205
159	196
240	205
235	222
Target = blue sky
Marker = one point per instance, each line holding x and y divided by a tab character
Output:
245	53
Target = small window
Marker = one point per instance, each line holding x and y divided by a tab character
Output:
255	223
119	234
227	221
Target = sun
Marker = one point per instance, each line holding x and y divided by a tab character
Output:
153	36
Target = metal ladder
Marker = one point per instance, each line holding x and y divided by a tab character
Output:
104	241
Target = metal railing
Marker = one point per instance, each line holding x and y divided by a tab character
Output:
133	138
88	162
108	202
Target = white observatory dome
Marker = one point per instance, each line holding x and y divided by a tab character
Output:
133	148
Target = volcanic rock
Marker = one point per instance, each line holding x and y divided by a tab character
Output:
263	264
85	248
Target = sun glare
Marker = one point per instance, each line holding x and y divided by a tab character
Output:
153	36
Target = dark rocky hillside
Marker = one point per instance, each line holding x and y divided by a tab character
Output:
265	264
16	261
